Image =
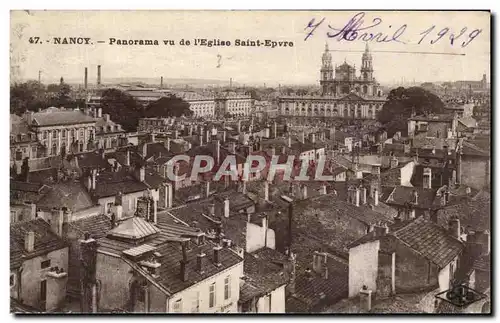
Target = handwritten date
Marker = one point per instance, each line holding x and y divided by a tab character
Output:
356	29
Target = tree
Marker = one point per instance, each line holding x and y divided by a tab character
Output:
402	103
122	108
168	107
26	96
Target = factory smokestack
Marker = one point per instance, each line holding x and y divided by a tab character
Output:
86	78
98	75
161	82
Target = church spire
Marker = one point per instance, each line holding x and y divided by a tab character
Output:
367	49
326	47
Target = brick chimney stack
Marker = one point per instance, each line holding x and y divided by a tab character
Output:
29	241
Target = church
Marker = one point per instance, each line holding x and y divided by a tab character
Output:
344	94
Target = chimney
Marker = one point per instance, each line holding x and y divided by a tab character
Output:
94	177
176	134
394	162
323	189
353	195
211	209
142	173
380	230
161	82
243	186
56	221
313	138
224	136
98	75
85	79
303	137
415	197
167	144
427	178
200	259
275	130
201	139
184	260
375	192
127	158
144	150
363	194
454	228
29	241
266	191
365	299
217	251
207	188
289	144
216	144
208	135
153	137
290	219
304	192
226	207
99	112
239	126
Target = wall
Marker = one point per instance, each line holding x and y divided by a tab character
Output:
33	274
445	275
128	209
230	305
435	128
277	301
114	275
475	172
407	173
255	237
363	267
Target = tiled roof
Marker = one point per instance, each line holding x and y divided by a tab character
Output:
72	195
404	194
473	150
91	160
134	228
430	240
473	214
61	118
111	183
98	226
262	277
45	240
316	291
170	265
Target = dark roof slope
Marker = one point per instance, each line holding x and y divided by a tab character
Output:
45	240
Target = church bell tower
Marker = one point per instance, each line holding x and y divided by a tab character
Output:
326	72
366	65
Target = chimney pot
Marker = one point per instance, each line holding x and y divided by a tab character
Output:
217	251
226	208
454	228
365	299
200	259
29	241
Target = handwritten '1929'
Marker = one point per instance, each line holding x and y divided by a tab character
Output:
356	29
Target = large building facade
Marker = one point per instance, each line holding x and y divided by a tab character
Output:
343	93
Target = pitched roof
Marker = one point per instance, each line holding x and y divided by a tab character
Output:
313	291
45	240
430	240
401	195
134	228
71	195
474	214
261	277
61	117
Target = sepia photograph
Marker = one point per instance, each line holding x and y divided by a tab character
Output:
250	162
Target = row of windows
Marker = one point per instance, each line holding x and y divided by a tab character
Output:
212	297
71	133
309	105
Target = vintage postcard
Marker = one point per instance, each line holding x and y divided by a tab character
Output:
250	162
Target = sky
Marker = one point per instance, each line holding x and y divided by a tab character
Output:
300	64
